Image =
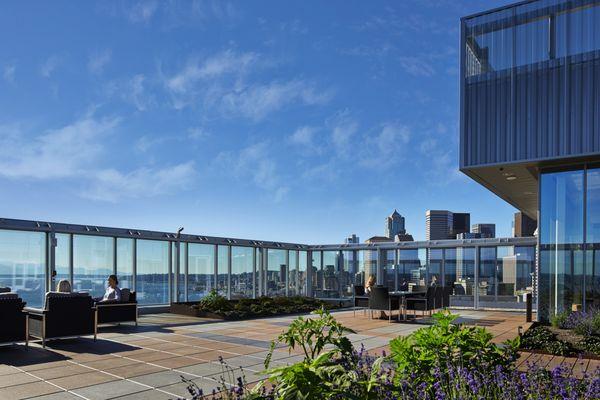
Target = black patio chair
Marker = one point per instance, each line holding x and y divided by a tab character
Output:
381	300
115	312
422	303
64	315
360	299
13	328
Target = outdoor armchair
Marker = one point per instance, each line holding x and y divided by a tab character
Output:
115	312
381	300
360	299
13	326
64	315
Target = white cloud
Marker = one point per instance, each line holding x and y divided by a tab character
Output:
226	62
385	148
303	136
255	162
48	67
197	133
9	73
417	66
98	60
143	11
343	130
56	153
257	101
136	94
111	185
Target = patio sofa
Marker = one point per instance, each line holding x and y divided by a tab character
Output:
64	315
115	312
13	328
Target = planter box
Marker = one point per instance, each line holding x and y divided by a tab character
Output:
186	308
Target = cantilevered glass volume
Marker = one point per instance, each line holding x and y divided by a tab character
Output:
530	131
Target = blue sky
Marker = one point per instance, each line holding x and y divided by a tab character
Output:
290	121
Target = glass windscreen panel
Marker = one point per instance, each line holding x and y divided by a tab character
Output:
223	270
302	268
242	272
460	276
152	280
317	273
125	263
330	275
201	270
434	267
23	265
276	274
389	270
593	239
412	269
293	273
62	258
92	263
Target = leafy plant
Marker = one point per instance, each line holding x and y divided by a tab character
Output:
559	320
313	334
541	338
444	343
590	344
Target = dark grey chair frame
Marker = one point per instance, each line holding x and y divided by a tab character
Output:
115	312
428	301
360	299
380	300
65	317
15	319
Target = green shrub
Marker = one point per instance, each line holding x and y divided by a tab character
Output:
558	320
437	346
590	344
541	338
313	334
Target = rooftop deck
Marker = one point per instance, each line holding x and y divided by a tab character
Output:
146	362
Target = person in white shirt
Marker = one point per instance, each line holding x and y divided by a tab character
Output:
112	291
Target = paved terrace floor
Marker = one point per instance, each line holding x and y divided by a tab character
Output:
147	362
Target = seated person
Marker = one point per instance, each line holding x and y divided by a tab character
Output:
368	288
113	293
64	286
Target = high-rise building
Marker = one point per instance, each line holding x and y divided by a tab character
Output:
486	230
523	225
461	223
529	117
352	239
394	225
438	224
444	224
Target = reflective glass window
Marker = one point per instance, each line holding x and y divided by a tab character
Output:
242	277
201	270
92	263
125	262
23	265
152	280
276	276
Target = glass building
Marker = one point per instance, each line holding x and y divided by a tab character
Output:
163	267
530	132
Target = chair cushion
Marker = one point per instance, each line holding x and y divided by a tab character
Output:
4	289
125	295
59	294
4	296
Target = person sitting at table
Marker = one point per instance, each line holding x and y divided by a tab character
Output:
113	293
63	286
433	281
368	288
404	286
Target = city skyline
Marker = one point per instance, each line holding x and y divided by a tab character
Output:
208	116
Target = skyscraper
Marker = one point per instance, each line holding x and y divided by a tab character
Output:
485	230
444	224
394	225
523	225
352	239
461	223
438	224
